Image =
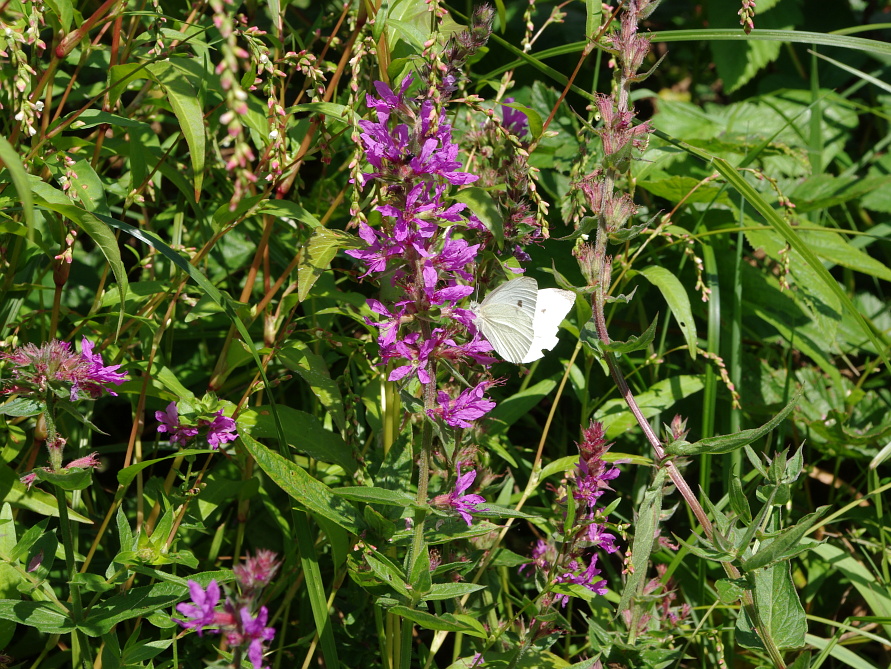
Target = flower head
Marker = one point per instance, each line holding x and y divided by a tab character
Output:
463	504
202	610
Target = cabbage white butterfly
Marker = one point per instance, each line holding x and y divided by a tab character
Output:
519	320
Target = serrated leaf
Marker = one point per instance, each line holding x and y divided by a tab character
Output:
781	615
678	301
183	98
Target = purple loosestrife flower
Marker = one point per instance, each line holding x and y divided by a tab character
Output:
202	610
470	405
578	574
221	430
252	632
99	375
463	504
235	617
420	246
169	422
218	429
256	572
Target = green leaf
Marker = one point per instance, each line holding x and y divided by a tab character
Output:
378	496
42	616
509	411
50	198
65	12
785	544
678	301
728	443
318	253
22	406
303	432
13	491
645	527
484	208
536	126
419	578
297	357
590	337
88	187
303	488
119	77
133	603
779	610
67	479
441	591
183	98
661	396
730	590
445	622
19	176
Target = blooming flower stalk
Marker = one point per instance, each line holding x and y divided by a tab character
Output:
240	616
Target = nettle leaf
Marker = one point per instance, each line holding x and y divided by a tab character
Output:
730	442
22	406
297	357
780	613
303	488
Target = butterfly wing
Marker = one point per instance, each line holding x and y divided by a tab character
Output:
506	317
552	305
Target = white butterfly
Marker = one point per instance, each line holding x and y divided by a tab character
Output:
519	320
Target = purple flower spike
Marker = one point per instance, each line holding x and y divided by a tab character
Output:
468	406
202	611
169	422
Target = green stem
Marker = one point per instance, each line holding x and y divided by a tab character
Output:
80	646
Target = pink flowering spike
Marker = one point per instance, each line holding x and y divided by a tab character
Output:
258	570
202	610
221	430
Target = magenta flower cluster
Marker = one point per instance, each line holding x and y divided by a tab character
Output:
464	504
218	430
575	561
55	367
240	617
419	247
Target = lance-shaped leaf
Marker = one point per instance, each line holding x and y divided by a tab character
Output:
730	442
786	544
